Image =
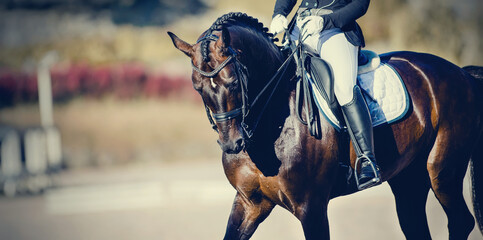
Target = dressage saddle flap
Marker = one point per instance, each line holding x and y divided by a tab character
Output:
322	79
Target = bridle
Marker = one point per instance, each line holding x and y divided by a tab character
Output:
241	73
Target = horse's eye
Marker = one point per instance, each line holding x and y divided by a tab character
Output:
232	85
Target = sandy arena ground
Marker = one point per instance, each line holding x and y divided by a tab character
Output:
181	201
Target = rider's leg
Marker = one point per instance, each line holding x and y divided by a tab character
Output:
342	57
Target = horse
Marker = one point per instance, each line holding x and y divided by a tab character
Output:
271	159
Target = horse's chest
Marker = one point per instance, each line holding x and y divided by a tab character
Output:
289	144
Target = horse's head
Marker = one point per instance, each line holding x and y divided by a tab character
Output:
217	76
234	48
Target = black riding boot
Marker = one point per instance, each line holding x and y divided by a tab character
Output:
359	124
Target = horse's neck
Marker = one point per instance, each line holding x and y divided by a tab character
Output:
260	55
262	148
274	102
261	71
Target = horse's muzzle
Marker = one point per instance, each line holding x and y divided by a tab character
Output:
232	147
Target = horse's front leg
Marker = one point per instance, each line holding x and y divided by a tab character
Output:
246	215
314	221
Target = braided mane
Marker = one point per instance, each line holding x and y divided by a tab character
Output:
232	18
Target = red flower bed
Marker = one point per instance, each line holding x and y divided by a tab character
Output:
124	81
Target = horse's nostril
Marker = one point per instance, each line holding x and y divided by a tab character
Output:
239	144
232	147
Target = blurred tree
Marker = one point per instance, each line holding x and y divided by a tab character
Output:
155	12
104	31
136	12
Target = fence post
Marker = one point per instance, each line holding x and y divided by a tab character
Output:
36	162
52	135
10	160
45	88
54	148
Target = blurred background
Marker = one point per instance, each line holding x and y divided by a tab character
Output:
102	135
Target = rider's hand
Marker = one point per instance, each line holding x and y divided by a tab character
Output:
279	24
311	25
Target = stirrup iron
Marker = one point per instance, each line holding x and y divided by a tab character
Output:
371	183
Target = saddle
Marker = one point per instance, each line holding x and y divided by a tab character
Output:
316	75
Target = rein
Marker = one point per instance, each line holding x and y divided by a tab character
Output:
242	75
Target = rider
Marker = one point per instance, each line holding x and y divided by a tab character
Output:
330	28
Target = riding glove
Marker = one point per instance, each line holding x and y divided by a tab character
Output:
279	24
311	25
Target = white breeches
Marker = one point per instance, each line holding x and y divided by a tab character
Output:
342	56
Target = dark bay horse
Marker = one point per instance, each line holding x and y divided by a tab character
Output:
282	164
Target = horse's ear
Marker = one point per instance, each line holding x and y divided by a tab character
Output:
224	42
183	46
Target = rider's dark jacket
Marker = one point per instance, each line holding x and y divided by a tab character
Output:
344	15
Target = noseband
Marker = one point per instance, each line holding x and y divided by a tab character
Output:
241	74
